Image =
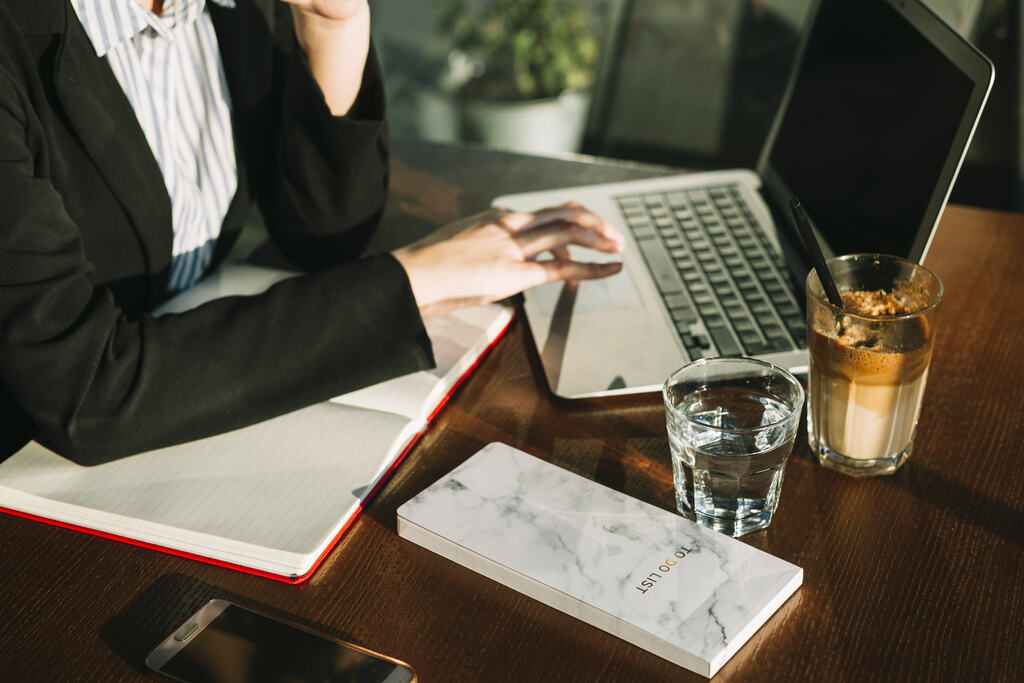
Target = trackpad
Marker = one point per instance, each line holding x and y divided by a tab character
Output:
615	293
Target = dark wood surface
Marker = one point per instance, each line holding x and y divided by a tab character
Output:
915	576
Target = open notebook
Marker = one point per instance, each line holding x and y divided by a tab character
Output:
273	498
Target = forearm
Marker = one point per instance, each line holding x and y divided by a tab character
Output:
336	48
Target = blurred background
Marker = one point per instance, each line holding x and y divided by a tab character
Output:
688	83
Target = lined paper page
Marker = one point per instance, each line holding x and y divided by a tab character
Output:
459	339
285	484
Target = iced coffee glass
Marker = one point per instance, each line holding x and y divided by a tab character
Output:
869	361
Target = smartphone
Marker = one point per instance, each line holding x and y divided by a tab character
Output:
226	643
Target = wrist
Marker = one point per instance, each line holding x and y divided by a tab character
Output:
317	33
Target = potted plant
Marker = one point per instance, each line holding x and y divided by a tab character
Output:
519	73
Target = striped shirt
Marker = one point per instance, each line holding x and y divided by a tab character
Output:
170	69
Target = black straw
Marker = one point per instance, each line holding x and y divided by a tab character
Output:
811	243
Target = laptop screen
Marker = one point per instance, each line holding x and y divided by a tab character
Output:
865	141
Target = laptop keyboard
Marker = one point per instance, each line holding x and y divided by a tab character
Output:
721	278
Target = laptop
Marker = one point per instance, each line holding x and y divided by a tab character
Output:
872	130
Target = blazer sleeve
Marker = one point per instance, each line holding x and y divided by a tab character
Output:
99	384
319	179
333	170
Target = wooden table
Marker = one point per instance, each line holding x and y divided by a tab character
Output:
915	576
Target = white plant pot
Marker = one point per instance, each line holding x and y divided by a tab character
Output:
544	126
548	126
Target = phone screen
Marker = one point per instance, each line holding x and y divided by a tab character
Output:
241	646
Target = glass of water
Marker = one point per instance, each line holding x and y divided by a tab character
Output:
731	425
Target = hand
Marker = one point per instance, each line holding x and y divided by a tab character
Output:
494	255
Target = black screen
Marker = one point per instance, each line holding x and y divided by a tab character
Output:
870	123
240	646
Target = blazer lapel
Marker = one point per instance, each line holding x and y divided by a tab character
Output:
104	120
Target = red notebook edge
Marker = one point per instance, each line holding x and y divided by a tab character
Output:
293	579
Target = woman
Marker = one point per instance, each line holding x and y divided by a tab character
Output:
133	135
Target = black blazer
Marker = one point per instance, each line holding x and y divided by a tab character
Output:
85	247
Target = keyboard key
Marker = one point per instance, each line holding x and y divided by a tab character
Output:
714	319
676	300
756	347
643	232
745	327
677	200
684	315
735	312
708	309
702	298
661	267
750	294
715	274
788	309
724	341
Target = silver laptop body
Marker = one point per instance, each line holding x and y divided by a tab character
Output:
711	266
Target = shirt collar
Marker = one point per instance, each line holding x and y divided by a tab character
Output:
108	23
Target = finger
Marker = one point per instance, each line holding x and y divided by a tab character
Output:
561	253
571	212
559	234
577	213
558	269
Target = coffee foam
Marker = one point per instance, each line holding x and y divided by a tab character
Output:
844	356
872	351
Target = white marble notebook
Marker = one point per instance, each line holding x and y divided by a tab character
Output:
644	574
